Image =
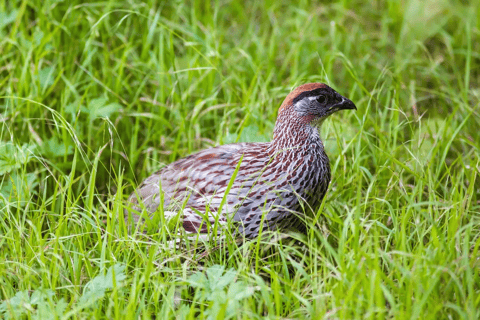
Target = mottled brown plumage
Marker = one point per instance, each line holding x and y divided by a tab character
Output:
273	181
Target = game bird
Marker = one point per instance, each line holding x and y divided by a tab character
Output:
270	185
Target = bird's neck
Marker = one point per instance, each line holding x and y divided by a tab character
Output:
293	133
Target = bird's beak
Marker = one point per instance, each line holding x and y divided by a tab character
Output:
345	104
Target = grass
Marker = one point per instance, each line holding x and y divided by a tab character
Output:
96	96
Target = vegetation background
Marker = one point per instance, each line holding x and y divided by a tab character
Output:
97	95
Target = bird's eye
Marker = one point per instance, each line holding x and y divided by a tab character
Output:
322	99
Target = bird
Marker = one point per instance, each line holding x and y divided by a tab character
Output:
260	186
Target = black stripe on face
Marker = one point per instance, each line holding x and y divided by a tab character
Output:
313	93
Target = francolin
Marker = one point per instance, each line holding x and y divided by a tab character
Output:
276	184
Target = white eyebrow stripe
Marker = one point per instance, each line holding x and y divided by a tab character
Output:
313	98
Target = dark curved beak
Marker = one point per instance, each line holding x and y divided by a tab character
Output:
345	104
342	104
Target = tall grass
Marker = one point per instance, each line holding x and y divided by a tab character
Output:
95	96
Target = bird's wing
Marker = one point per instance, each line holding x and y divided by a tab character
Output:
199	181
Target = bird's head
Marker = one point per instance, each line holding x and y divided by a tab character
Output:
311	103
